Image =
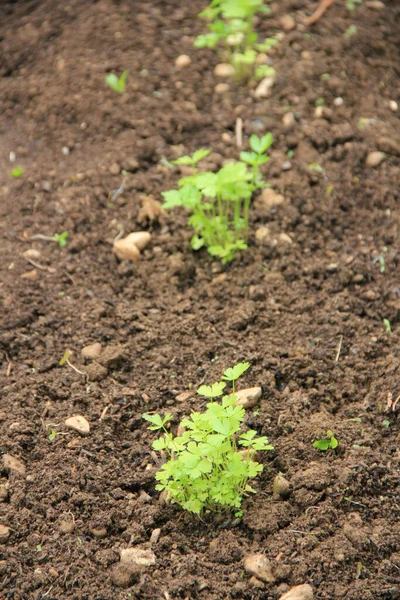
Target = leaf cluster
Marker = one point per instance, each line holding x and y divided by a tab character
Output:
230	29
117	84
206	467
325	444
220	202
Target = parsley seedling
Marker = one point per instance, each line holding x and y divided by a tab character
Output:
206	469
230	30
330	442
60	238
17	172
220	202
117	84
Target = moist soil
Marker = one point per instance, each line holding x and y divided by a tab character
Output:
304	304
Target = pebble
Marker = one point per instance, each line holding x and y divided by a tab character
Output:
129	247
284	238
79	424
224	70
92	351
183	61
270	198
338	101
13	464
221	88
375	4
98	532
67	526
263	234
30	274
393	105
259	566
32	254
65	150
287	23
4	533
248	397
155	536
263	90
299	592
374	159
287	165
281	487
143	557
370	295
289	120
115	169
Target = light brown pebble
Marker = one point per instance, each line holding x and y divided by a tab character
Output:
281	487
263	90
143	557
270	198
13	464
289	120
98	532
126	250
66	526
183	61
248	397
31	275
221	88
374	159
224	70
259	566
4	533
78	423
287	23
141	239
92	351
155	536
115	169
284	238
299	592
32	254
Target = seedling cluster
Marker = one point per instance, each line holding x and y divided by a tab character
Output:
220	202
210	461
231	32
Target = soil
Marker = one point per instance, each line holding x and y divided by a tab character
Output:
304	304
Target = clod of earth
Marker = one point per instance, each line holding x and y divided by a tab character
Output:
4	533
124	576
79	424
299	592
92	351
259	566
12	464
248	397
129	248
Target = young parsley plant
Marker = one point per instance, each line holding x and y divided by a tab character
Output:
330	442
206	467
220	202
117	84
230	29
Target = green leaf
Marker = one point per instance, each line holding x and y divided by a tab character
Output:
233	373
183	160
117	84
159	444
17	171
172	198
157	421
211	391
66	356
260	145
322	444
200	154
197	242
52	435
334	442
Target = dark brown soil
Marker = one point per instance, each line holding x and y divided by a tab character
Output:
308	314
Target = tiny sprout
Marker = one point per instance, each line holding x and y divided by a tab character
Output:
17	171
325	76
387	325
52	435
117	84
350	32
65	358
325	444
319	102
315	167
60	238
386	422
290	153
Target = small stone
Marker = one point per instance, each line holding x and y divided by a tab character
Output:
65	150
263	90
248	397
287	23
13	464
393	105
338	101
128	248
98	532
3	492
96	372
143	557
299	592
281	487
141	239
306	55
284	238
183	61
123	576
115	169
78	424
92	351
289	120
30	274
155	535
224	70
263	234
269	198
221	88
370	295
259	566
286	166
32	254
318	112
66	526
4	533
374	159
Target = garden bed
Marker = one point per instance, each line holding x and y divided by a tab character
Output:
305	304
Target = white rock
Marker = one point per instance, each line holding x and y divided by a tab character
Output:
263	90
224	70
92	351
374	159
318	112
183	61
338	101
155	536
79	424
32	254
299	592
13	464
248	397
393	105
138	556
259	566
287	23
141	239
4	533
269	198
